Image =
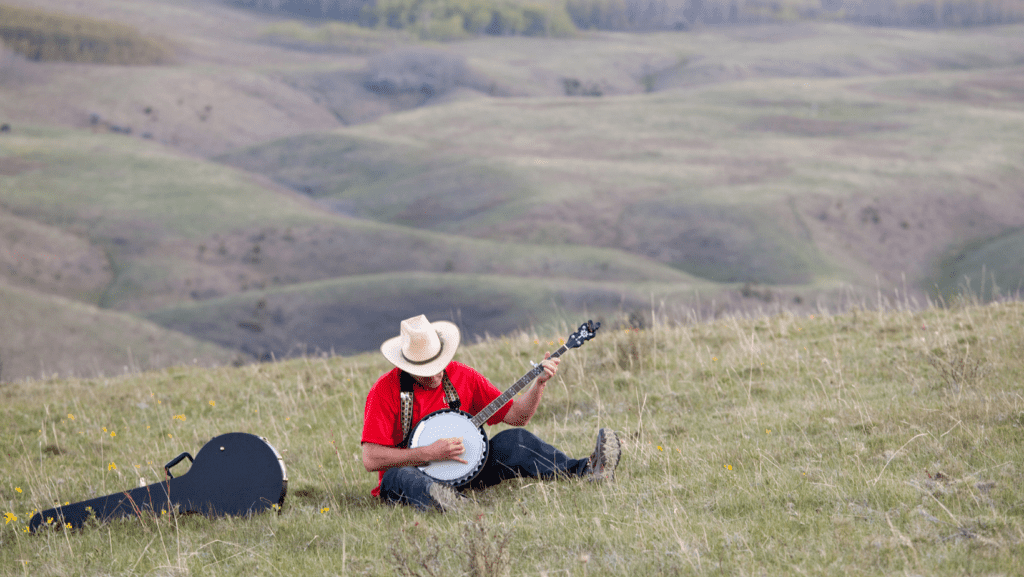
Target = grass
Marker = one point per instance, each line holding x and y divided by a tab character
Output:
969	269
804	156
46	336
826	444
344	315
683	175
333	35
110	184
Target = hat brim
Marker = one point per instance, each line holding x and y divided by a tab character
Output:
450	337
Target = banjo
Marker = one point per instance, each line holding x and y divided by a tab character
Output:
448	423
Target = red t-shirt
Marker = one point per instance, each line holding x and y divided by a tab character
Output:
382	424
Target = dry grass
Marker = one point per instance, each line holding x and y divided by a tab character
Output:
826	444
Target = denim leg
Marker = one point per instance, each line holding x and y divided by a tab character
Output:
520	453
407	486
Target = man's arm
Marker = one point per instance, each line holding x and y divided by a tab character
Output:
379	457
523	408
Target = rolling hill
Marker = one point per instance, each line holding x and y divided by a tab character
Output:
284	187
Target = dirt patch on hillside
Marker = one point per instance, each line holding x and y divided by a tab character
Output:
900	235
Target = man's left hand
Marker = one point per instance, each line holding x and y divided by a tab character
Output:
550	368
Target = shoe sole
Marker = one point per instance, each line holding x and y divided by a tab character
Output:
608	453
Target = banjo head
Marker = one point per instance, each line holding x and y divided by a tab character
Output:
446	424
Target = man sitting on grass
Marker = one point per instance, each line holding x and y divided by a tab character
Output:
422	355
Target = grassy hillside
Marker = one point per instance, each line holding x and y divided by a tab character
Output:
301	164
862	443
355	314
988	269
44	336
825	178
139	228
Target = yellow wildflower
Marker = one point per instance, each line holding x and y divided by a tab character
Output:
8	517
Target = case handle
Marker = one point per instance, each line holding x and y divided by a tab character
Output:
175	461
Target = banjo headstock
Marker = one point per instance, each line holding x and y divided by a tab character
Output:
583	334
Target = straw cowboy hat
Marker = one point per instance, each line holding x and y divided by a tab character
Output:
423	348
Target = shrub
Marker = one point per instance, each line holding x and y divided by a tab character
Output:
452	19
424	71
46	36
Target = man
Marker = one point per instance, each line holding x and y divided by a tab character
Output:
422	355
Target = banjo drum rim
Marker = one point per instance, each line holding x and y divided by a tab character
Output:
473	470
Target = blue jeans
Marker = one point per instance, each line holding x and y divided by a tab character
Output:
512	453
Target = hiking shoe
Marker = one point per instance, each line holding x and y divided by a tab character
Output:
446	498
606	456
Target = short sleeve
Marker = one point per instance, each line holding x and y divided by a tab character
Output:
380	417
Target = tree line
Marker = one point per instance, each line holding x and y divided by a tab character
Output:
435	19
444	19
652	15
45	36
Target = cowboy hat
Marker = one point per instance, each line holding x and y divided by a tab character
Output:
423	348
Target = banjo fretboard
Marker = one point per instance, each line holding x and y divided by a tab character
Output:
500	400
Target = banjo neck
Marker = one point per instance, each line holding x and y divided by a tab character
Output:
499	402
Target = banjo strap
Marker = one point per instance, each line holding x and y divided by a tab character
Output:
406	400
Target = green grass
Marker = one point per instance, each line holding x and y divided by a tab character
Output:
110	185
339	36
988	269
821	444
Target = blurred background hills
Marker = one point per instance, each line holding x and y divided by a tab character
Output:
205	181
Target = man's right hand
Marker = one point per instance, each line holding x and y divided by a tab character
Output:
447	450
